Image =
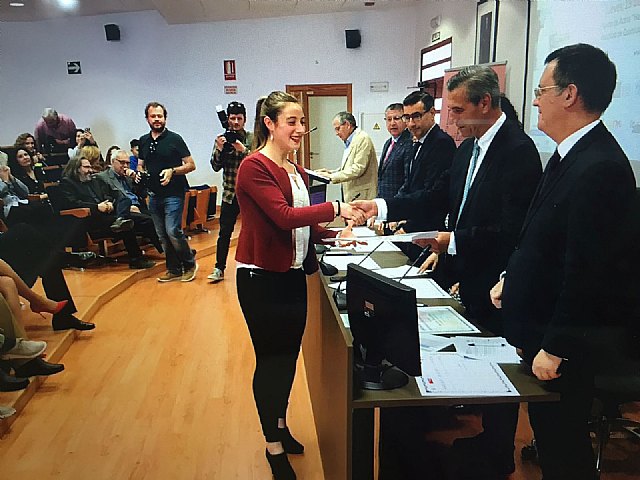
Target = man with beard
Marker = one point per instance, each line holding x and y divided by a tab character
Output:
167	159
227	156
78	189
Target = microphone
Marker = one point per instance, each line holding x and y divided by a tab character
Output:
327	268
341	297
309	131
415	262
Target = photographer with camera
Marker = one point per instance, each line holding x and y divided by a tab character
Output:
230	148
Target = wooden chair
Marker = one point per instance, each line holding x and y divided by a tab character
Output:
200	209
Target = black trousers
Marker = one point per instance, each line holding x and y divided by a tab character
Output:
275	309
25	249
99	225
561	428
500	420
228	216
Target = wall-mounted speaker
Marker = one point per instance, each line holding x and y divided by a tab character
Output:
353	38
112	31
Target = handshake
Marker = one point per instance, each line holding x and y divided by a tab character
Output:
357	211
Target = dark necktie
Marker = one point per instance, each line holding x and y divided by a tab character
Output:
550	169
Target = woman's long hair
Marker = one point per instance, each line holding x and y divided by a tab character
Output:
269	106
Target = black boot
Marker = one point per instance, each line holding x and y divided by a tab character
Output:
290	444
280	466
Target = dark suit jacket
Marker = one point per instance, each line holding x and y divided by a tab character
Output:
391	173
494	211
428	175
75	194
555	291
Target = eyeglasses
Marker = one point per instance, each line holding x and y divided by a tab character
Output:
397	118
414	116
122	162
538	91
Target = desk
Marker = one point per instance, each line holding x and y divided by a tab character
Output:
342	412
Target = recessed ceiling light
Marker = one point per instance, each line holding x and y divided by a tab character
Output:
16	4
68	4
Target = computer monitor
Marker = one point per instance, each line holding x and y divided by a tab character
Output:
384	323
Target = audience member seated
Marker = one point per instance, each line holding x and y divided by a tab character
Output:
92	153
22	166
78	189
17	208
133	159
109	157
29	255
121	180
24	364
54	132
84	138
28	142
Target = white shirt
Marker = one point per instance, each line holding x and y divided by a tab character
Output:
568	143
299	236
484	142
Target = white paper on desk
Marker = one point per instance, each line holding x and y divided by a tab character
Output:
443	321
372	243
398	272
341	261
361	232
345	319
410	237
433	343
449	374
491	349
426	288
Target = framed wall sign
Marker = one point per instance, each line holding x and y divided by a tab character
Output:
486	30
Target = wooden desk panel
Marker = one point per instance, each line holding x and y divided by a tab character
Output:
328	358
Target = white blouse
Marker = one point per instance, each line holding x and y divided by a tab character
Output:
299	236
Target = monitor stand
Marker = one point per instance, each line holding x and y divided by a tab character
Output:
382	377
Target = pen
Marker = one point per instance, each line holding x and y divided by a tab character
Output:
356	197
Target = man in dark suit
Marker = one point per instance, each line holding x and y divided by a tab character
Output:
79	190
118	180
396	153
432	154
491	182
554	294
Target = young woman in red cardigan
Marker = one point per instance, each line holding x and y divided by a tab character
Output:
275	251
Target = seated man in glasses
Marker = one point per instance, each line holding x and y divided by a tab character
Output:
121	180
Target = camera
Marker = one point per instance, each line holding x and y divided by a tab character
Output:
230	135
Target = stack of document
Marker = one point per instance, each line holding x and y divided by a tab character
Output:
426	288
451	375
341	261
443	321
491	349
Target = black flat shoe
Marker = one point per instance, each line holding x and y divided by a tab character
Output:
290	444
38	367
66	322
12	384
280	466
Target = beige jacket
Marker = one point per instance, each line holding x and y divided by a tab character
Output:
359	172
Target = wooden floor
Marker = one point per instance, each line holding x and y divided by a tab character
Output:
161	389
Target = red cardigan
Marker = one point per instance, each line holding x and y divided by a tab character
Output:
268	217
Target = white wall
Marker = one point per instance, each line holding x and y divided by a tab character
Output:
182	66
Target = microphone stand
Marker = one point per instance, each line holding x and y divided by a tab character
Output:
341	297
